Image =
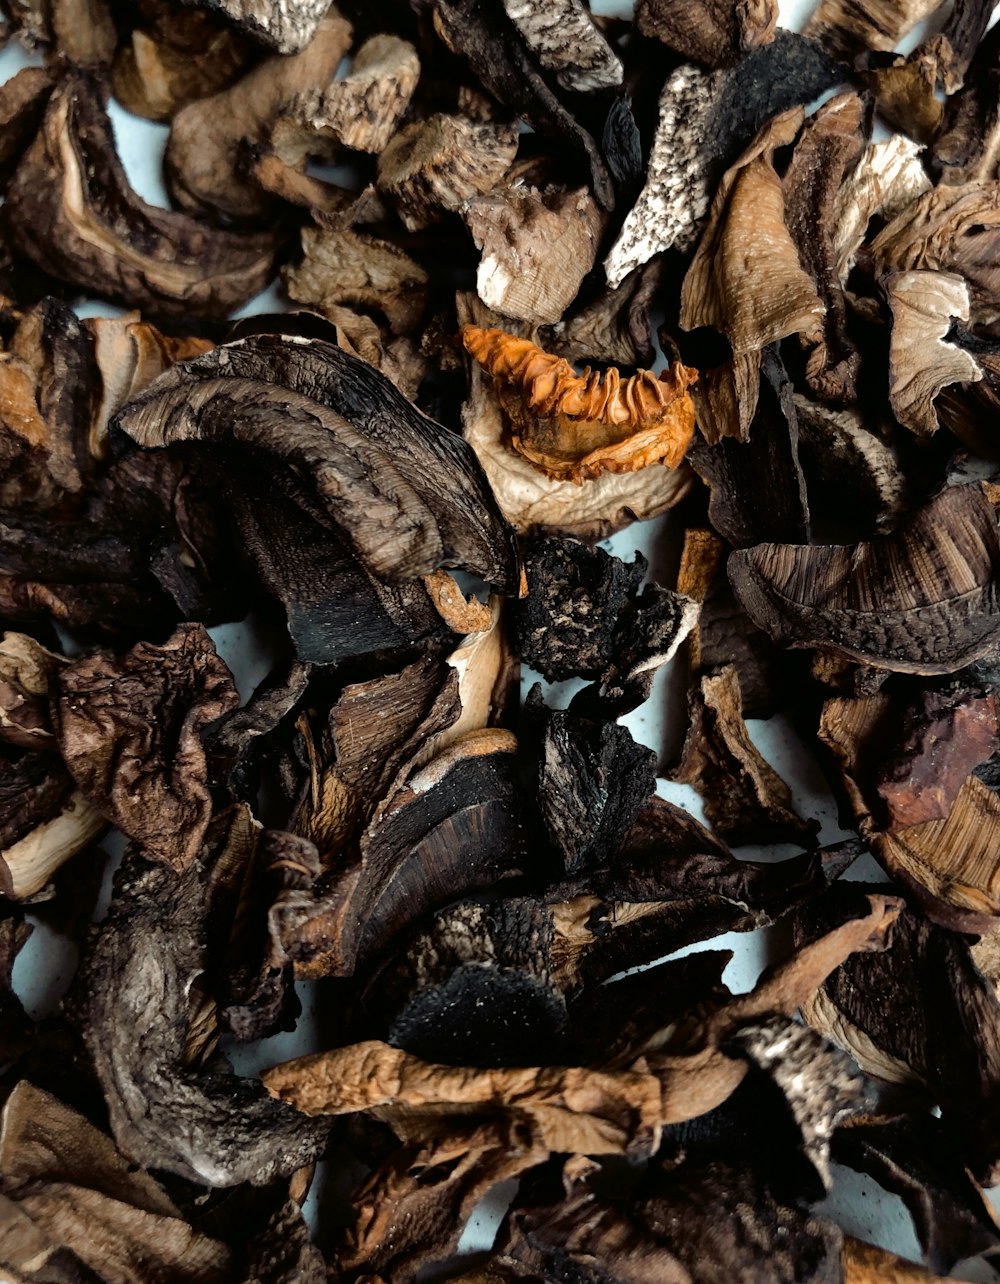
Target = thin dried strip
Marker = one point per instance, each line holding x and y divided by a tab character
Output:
129	731
563	37
924	306
827	150
70	209
921	600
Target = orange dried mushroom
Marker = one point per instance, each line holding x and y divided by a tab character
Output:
578	426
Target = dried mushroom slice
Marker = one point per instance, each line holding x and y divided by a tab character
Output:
493	47
575	427
26	672
213	1128
174	56
537	247
69	208
566	41
706	120
921	600
905	89
964	149
830	145
947	1047
714	33
287	26
921	360
363	109
849	28
914	1157
84	1197
22	104
887	178
344	267
616	327
865	1263
372	462
129	731
745	799
203	162
949	229
433	166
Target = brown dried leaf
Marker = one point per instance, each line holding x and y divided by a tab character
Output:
130	733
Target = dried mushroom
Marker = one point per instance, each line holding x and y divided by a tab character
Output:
711	33
566	41
288	26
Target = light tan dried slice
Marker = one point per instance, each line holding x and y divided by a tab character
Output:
537	246
27	865
924	599
950	229
576	427
921	361
885	180
715	33
564	39
745	278
72	211
287	25
868	1264
83	1195
363	109
346	268
848	27
176	55
26	671
203	162
433	166
745	799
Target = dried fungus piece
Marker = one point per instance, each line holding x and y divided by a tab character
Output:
405	492
905	90
848	28
84	1198
706	119
921	600
827	150
745	799
22	105
714	33
887	178
537	247
433	166
70	209
965	147
485	37
616	328
203	162
363	109
865	1263
576	427
566	41
921	360
174	57
27	670
212	1128
287	25
129	731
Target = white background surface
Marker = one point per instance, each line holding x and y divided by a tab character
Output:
46	964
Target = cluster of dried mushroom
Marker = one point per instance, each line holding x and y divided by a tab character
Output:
467	877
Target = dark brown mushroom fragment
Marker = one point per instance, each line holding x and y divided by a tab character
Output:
868	1264
738	473
22	104
914	1157
287	26
203	160
214	1129
409	494
537	246
26	673
85	1198
922	600
921	360
958	39
830	144
965	148
70	209
129	731
706	120
485	37
566	41
715	33
616	327
905	89
175	56
745	799
847	27
946	1048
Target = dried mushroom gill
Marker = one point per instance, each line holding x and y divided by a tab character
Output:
379	822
